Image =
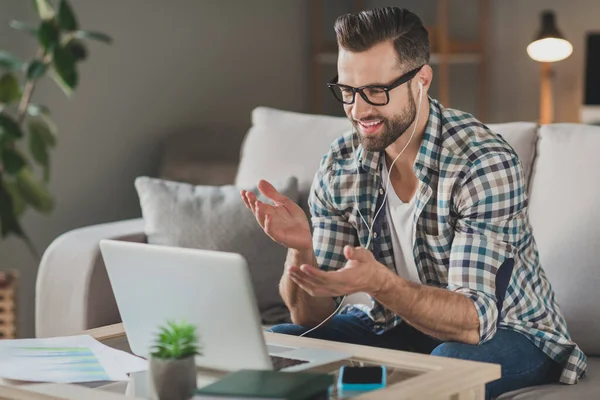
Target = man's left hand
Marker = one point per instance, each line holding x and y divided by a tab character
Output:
362	273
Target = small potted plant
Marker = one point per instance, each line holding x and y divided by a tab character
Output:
172	366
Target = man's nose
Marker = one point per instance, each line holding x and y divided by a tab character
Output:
360	108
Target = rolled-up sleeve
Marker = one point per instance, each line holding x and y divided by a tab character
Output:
490	206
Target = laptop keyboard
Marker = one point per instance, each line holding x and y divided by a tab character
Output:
282	362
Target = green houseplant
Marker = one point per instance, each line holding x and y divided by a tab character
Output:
27	132
172	366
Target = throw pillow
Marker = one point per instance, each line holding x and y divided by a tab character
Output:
215	218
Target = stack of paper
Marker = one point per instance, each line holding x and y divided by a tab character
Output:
71	359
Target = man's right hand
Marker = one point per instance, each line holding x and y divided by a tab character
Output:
283	221
286	223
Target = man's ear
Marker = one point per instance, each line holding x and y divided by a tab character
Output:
425	76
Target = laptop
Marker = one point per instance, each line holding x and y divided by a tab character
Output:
210	289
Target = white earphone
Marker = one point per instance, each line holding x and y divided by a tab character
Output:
416	121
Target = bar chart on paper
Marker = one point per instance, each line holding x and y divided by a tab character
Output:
73	359
59	364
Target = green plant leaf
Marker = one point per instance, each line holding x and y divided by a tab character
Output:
36	69
19	204
61	84
42	112
10	62
39	150
100	37
46	133
77	50
48	34
66	16
13	161
8	219
44	9
25	27
34	193
66	70
40	139
9	129
9	89
176	340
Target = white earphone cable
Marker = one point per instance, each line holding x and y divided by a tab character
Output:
370	229
389	172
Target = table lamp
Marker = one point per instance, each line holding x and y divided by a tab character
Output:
548	46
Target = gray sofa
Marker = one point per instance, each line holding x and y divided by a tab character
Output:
560	160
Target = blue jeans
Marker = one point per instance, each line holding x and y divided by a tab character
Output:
522	363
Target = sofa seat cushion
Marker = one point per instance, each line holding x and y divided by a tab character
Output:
588	387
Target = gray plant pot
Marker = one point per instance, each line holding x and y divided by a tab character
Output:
171	379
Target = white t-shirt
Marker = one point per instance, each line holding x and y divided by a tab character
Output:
400	217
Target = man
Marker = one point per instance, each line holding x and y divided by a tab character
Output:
424	209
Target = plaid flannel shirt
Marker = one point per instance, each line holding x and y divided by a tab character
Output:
471	229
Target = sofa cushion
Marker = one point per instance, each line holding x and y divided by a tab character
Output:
284	143
565	215
215	218
588	387
522	137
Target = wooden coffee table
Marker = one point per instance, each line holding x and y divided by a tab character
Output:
410	375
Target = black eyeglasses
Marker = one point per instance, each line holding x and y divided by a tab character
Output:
376	95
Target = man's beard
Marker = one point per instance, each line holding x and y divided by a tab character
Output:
391	130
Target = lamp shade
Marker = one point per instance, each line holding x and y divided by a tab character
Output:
549	44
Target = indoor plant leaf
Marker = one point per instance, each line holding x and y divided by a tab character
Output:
22	26
43	113
9	129
44	9
61	84
9	89
33	192
13	161
48	34
40	127
19	204
65	68
8	219
98	36
176	341
36	69
40	138
10	62
77	50
66	16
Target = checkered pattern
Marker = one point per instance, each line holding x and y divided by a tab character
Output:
471	218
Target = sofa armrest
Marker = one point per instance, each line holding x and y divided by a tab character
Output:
73	292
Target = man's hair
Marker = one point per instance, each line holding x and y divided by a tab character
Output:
359	32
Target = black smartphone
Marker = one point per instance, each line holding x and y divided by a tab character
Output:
361	378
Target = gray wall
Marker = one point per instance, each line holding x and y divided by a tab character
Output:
175	65
203	65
